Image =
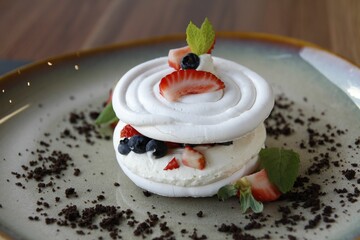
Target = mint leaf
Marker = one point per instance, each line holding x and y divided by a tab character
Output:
227	192
107	115
200	39
281	165
248	201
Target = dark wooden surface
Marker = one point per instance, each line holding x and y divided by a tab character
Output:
38	29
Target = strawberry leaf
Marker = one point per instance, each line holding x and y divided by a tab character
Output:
226	192
107	115
248	201
200	40
281	165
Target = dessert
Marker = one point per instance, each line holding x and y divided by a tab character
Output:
191	123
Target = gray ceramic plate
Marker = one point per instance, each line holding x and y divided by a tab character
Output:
36	102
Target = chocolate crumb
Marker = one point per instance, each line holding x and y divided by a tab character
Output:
200	214
147	193
349	174
70	192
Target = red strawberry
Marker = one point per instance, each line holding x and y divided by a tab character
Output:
173	164
113	125
128	131
184	82
192	158
176	55
173	145
109	98
212	47
261	187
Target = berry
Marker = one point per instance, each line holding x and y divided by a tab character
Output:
184	82
173	145
173	164
261	187
158	148
212	47
128	131
123	147
192	158
190	61
109	98
138	143
176	55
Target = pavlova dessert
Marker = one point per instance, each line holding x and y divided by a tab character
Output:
191	125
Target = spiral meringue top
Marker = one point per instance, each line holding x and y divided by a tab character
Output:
220	116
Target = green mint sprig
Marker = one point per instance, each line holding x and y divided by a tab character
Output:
200	39
107	115
282	167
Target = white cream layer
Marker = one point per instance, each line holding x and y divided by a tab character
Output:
222	162
222	116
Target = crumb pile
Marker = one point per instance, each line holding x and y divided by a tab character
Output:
307	207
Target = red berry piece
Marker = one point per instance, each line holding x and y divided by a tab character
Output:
184	82
173	164
128	131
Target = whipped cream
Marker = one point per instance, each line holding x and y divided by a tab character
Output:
221	161
222	116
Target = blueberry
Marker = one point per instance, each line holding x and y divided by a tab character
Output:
158	148
138	143
190	61
123	147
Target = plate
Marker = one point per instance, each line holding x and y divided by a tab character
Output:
59	176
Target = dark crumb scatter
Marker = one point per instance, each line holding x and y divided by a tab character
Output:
80	232
100	197
195	236
313	222
147	193
93	115
77	172
70	192
307	197
349	174
200	214
291	237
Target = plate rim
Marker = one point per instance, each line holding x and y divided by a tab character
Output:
227	35
230	35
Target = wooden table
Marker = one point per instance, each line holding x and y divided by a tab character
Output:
38	29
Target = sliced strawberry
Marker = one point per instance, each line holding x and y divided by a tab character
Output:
173	164
212	47
109	98
176	55
261	187
113	124
192	158
173	145
128	131
184	82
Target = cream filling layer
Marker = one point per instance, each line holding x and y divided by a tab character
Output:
221	161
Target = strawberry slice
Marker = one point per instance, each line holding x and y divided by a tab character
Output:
184	82
261	187
128	131
173	145
109	98
175	56
212	47
192	158
173	164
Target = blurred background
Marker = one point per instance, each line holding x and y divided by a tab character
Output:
38	29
